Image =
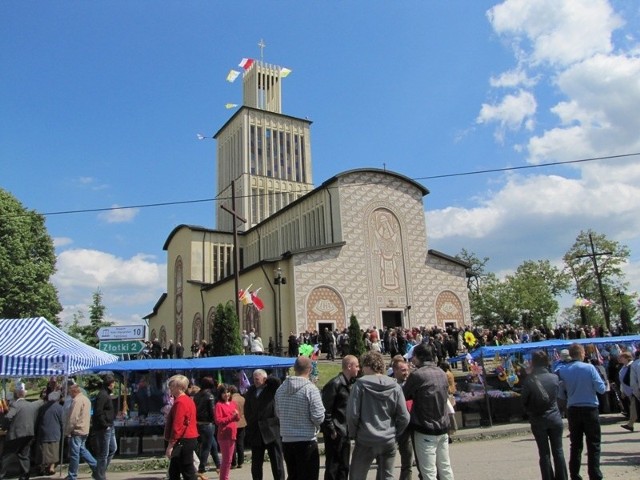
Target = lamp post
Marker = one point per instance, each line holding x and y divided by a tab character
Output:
279	280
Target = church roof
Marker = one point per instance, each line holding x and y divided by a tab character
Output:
419	186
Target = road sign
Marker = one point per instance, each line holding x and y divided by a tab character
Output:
122	347
122	332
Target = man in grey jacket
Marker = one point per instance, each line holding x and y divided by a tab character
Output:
301	412
22	420
376	415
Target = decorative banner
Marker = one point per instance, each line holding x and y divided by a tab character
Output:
284	72
245	296
244	383
232	75
246	63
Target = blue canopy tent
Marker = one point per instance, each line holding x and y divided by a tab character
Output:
554	344
548	345
33	347
231	362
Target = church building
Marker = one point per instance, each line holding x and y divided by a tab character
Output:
356	244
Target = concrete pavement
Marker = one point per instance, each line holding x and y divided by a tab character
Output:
477	453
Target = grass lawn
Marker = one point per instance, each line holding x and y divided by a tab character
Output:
327	370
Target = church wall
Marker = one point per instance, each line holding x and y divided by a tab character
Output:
369	201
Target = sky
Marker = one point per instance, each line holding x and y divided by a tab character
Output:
101	103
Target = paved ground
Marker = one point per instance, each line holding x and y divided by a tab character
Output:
502	452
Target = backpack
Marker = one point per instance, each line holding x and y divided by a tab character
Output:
539	400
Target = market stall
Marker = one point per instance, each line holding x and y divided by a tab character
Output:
33	347
140	422
493	395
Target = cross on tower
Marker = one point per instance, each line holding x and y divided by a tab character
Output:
261	44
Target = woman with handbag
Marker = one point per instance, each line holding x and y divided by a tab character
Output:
539	396
181	431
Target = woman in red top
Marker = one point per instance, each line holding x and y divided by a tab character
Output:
181	431
226	417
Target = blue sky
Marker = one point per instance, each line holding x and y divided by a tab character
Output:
101	102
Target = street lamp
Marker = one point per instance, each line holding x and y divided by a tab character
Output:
279	280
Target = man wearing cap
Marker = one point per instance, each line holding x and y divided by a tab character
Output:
76	428
22	419
102	423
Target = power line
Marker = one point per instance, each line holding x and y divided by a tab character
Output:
431	177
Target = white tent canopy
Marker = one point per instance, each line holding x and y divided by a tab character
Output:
33	347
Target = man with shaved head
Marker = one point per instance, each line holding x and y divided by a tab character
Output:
300	410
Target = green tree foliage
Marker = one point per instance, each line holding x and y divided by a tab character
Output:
595	265
225	338
356	342
27	262
88	333
525	298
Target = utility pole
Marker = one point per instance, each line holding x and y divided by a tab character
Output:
594	259
236	249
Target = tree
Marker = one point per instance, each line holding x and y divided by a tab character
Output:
356	342
536	285
225	337
525	298
475	271
595	264
27	262
88	333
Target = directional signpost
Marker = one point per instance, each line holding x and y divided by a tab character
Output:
122	347
122	332
122	339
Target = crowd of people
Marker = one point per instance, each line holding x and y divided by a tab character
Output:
44	424
381	409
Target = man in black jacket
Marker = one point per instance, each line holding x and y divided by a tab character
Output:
428	387
102	423
263	428
336	439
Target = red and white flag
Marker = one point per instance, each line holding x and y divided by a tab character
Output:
259	304
246	63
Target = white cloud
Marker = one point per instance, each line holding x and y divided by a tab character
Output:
118	214
600	117
62	242
560	32
126	284
593	95
512	79
513	112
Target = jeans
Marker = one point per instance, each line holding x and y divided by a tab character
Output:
208	444
584	421
548	435
432	456
363	456
77	450
337	452
238	453
106	448
302	459
405	449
